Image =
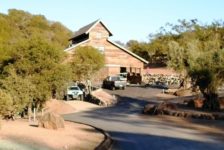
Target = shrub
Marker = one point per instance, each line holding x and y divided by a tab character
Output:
6	104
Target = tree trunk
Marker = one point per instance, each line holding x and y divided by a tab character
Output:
211	102
185	82
30	111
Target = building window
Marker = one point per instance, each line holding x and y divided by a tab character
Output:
101	49
98	35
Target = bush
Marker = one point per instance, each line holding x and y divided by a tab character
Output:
6	104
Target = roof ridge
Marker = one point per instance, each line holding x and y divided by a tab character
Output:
85	29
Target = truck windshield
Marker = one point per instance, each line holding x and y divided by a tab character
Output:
114	78
73	88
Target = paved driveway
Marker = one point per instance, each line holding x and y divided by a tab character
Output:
132	131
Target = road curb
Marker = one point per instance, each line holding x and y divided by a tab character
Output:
106	143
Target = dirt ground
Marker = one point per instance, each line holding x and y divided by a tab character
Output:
17	135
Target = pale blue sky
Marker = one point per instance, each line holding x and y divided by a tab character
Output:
127	19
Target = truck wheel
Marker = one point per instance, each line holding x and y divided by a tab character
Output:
123	88
80	97
66	97
112	88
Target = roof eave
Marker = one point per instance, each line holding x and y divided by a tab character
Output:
129	52
76	45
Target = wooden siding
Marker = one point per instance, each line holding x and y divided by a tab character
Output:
115	57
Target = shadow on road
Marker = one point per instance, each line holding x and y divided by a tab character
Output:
154	142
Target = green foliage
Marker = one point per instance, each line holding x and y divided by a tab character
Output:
20	89
6	103
139	48
194	50
86	61
199	53
19	25
31	58
41	63
155	51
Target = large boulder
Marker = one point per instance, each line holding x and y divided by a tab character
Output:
51	121
162	108
221	103
198	103
103	98
149	109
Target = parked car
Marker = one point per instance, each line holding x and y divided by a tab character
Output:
114	82
74	92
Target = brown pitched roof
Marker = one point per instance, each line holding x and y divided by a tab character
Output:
87	28
129	52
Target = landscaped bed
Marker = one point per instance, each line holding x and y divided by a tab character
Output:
183	106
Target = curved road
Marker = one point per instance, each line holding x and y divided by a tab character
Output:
132	131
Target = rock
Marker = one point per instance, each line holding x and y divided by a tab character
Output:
160	109
51	121
210	117
195	116
198	103
170	91
186	115
103	98
166	112
171	106
221	103
183	92
181	114
217	116
189	115
165	105
190	103
149	109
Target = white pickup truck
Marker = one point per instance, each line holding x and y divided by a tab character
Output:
74	92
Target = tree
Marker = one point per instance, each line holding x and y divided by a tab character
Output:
20	90
86	61
139	48
6	103
41	63
31	56
200	54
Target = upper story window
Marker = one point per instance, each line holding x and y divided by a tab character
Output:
98	35
101	49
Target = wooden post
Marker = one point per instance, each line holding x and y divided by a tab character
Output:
34	114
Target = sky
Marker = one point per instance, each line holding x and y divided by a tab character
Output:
126	19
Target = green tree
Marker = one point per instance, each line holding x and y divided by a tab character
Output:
21	91
86	61
31	58
6	104
200	54
41	63
139	48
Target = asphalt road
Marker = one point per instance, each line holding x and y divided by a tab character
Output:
131	130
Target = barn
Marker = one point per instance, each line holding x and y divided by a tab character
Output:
118	59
